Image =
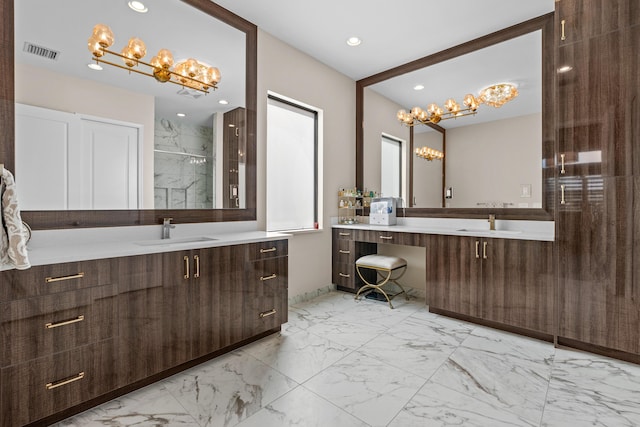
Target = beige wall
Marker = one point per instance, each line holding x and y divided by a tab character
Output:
42	88
291	73
379	118
489	162
427	175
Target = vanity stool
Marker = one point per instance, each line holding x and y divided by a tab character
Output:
386	266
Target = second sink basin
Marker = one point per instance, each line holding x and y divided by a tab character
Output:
160	242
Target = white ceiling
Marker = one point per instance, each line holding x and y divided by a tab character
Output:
392	33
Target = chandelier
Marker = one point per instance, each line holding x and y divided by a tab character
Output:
189	74
495	96
429	153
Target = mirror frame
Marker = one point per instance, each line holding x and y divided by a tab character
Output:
547	212
39	220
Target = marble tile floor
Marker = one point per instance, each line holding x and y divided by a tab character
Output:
338	363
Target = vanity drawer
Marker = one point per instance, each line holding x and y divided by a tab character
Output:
344	251
390	237
344	275
48	324
343	234
48	279
264	250
266	296
47	385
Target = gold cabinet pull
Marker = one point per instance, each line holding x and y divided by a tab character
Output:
273	276
386	237
196	258
345	234
344	275
268	313
344	252
62	278
563	37
56	384
264	251
66	322
477	249
562	170
484	250
562	200
186	267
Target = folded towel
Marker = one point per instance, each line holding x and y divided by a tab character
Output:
13	241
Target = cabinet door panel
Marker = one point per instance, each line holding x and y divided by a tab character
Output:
589	18
599	250
141	311
518	288
453	274
177	281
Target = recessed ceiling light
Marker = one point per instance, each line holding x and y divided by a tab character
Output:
138	6
418	87
95	66
181	115
353	41
223	102
565	68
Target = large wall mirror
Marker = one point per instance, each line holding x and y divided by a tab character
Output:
498	160
115	147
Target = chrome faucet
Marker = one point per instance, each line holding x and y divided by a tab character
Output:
166	228
492	222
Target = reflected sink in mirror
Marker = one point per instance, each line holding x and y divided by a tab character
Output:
161	242
485	231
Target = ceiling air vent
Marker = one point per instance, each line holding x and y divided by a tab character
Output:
41	51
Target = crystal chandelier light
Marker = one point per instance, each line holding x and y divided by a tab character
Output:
429	153
494	95
189	74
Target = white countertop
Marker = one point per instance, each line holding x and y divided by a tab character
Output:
505	229
57	246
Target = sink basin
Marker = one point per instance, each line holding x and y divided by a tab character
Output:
162	242
485	231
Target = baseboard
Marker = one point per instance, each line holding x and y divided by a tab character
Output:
297	299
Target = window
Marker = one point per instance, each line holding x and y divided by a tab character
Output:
292	165
391	167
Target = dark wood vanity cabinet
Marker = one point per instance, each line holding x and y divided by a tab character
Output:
57	338
346	249
599	156
506	281
99	326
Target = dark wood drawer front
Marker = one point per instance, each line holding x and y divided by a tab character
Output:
344	251
344	234
344	275
397	238
56	382
266	307
48	279
265	250
48	324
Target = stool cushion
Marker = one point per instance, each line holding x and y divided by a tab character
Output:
382	262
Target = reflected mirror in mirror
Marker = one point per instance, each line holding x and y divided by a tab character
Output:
115	139
492	158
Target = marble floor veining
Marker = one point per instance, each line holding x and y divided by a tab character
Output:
339	362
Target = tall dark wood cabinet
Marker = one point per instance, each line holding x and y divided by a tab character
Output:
234	150
598	220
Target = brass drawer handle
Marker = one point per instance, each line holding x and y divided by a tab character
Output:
197	260
273	276
345	234
562	200
66	322
62	278
344	252
268	313
562	169
186	267
344	275
51	386
563	37
264	251
477	249
484	250
386	237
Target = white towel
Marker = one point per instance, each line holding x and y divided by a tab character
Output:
13	241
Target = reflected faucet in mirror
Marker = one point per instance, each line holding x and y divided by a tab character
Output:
492	222
166	228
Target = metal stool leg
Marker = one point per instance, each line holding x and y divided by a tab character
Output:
378	286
